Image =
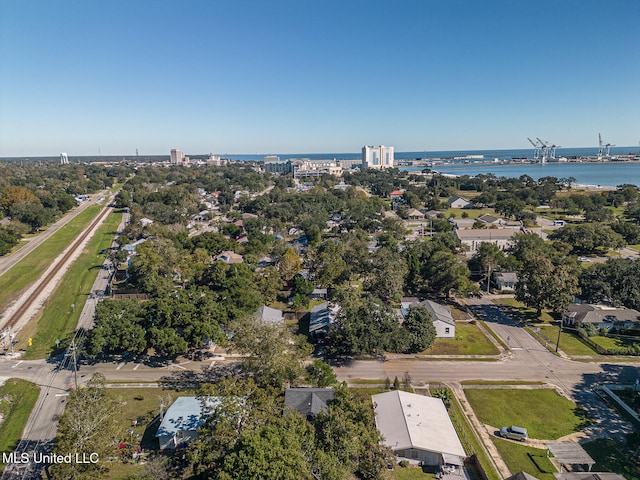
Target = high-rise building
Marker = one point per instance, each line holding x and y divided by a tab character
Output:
377	157
176	156
64	159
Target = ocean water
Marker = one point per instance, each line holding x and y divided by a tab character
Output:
603	174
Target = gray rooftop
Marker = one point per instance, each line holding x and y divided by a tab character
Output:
570	453
269	315
407	420
589	313
308	401
438	312
506	276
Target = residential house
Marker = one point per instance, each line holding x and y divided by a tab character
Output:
458	202
396	194
601	316
269	316
472	238
321	317
230	257
489	220
505	280
181	421
145	222
318	293
417	428
440	316
308	401
415	214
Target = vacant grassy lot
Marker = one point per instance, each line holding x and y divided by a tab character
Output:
613	457
569	343
470	340
30	268
520	458
529	409
609	342
520	309
471	212
17	398
58	318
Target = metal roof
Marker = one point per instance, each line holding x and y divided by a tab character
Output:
570	453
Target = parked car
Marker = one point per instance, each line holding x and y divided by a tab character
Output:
514	433
584	259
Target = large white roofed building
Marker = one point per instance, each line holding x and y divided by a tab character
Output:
417	428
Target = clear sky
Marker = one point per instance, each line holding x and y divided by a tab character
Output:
284	76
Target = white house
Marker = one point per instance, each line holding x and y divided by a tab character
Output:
417	428
458	202
440	315
505	280
181	421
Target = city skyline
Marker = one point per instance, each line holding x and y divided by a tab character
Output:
109	78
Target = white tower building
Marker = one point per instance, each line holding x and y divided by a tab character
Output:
377	157
176	156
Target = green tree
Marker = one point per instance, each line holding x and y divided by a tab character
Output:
543	285
320	374
290	265
420	329
489	257
88	426
387	274
588	237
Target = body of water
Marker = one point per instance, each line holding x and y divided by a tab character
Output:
605	174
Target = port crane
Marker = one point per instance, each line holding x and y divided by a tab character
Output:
536	151
604	149
546	148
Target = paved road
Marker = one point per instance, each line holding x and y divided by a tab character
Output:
527	360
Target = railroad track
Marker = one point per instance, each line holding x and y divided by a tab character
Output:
26	303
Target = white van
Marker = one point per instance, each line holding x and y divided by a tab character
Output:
559	223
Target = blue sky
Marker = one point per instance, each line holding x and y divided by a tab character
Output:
240	76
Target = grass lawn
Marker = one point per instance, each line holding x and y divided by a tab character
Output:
529	409
17	398
613	457
635	247
30	268
58	319
569	343
610	342
520	458
499	382
411	473
123	471
526	313
471	212
143	404
470	340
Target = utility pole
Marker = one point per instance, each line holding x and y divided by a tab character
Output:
72	348
559	332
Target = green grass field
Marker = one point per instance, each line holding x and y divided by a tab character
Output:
17	398
609	342
30	268
471	212
470	340
529	409
569	343
58	318
411	473
520	458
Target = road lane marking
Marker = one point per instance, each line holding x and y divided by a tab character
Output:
136	367
120	366
17	364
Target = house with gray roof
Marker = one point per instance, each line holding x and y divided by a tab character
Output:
600	316
458	202
269	316
505	280
417	428
321	317
440	315
308	401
